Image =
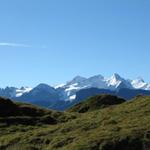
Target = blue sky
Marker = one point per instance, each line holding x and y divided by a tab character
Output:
52	41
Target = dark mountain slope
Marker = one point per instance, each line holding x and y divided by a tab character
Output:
22	113
123	92
131	93
85	93
42	94
96	102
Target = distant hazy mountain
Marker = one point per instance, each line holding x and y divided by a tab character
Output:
42	94
79	88
114	83
124	93
14	92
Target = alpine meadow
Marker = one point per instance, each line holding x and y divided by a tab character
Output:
74	75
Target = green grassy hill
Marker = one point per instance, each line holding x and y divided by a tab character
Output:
14	113
96	102
125	126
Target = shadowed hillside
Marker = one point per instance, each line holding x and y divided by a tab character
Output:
96	102
23	113
125	126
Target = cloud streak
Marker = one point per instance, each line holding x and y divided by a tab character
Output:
14	45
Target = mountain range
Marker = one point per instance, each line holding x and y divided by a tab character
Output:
79	88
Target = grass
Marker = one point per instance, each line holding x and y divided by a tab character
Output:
119	127
13	113
96	102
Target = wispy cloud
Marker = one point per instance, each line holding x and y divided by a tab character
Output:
14	44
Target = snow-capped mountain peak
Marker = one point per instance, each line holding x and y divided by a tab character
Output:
139	79
116	76
68	90
96	78
139	83
77	79
59	86
115	81
21	91
44	87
